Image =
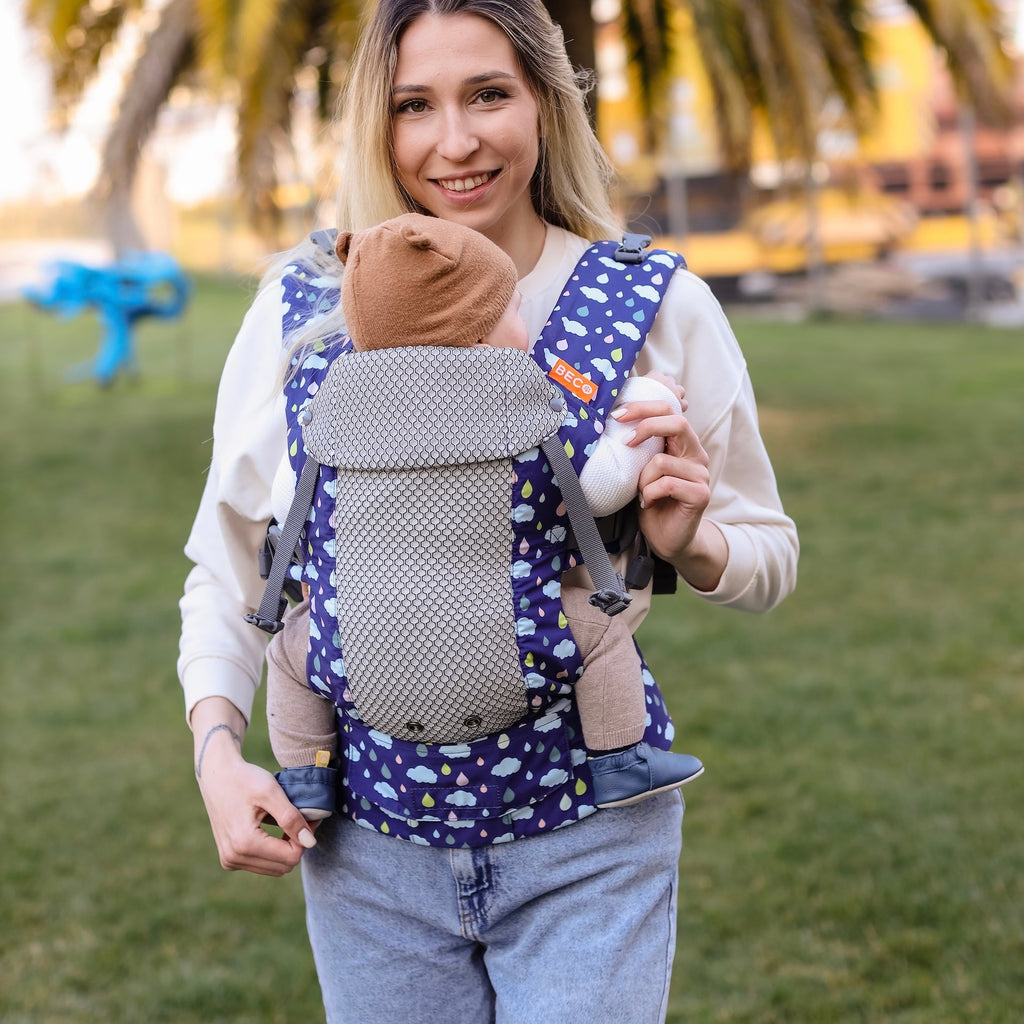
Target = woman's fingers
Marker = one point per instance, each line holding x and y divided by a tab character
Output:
239	796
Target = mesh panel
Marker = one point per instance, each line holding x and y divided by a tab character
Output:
424	601
431	406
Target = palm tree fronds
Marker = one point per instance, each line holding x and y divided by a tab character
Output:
269	53
214	21
971	32
76	34
645	27
846	45
719	38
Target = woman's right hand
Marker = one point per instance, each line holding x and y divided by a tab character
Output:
239	796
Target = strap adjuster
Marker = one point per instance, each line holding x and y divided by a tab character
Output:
631	248
610	601
270	626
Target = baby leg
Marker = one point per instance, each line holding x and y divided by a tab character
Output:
303	726
610	693
613	711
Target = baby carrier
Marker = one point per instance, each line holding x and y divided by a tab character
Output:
439	504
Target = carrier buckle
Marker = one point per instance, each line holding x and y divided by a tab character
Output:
611	602
270	626
631	248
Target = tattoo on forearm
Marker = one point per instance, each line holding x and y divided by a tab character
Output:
206	741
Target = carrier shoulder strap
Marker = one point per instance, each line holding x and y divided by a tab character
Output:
611	594
589	346
268	616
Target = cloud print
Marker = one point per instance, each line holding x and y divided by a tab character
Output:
507	767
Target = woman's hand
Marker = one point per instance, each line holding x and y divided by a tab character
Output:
675	490
239	796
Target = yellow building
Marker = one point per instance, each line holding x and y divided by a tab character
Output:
904	183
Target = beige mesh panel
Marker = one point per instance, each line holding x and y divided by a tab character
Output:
430	654
423	439
429	406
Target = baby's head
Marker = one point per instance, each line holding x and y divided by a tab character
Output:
418	280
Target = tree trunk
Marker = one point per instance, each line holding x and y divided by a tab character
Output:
168	50
816	298
975	284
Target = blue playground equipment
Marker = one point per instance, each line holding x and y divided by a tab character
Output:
138	285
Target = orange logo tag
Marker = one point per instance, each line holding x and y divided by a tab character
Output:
582	387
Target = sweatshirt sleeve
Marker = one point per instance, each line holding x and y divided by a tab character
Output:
220	654
693	342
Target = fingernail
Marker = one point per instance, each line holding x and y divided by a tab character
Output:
632	434
641	497
617	414
306	839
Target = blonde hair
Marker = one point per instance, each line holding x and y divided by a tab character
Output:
571	184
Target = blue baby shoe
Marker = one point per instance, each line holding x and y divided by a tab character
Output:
311	788
629	776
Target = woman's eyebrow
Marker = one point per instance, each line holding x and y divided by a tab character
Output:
486	76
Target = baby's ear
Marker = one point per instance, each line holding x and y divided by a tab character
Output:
342	244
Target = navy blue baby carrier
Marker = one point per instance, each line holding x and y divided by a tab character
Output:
429	755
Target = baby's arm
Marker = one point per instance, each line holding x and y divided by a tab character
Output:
609	479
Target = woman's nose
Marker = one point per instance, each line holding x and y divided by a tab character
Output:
458	139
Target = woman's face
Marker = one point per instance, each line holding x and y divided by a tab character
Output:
466	136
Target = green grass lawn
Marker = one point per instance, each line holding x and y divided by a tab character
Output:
855	851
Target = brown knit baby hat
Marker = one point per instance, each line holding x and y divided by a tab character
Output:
418	280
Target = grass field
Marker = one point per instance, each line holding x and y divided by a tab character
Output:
855	852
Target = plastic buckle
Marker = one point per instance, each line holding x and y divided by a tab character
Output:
611	602
631	248
640	572
271	626
324	239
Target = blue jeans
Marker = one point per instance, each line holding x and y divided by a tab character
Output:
575	926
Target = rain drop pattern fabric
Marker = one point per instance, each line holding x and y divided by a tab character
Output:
533	776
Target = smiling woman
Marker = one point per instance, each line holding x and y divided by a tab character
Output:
466	142
456	876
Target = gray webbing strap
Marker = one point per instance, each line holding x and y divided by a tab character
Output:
272	606
610	594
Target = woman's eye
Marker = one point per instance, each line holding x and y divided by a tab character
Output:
490	95
411	107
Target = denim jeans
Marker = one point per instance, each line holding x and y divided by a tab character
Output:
575	926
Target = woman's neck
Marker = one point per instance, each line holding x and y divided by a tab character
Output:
524	242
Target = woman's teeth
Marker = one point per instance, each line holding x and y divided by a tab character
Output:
463	184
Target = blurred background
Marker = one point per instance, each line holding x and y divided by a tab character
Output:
769	142
848	176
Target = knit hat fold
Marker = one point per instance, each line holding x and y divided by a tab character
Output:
418	280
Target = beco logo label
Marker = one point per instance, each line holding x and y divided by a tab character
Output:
583	388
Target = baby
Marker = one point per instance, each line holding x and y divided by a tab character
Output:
467	294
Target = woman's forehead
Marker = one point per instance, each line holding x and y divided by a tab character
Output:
453	45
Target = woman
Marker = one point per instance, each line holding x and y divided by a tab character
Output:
468	110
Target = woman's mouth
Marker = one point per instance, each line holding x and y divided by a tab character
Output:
466	184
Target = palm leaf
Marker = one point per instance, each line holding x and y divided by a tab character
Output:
972	32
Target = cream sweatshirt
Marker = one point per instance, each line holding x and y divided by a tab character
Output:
691	341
